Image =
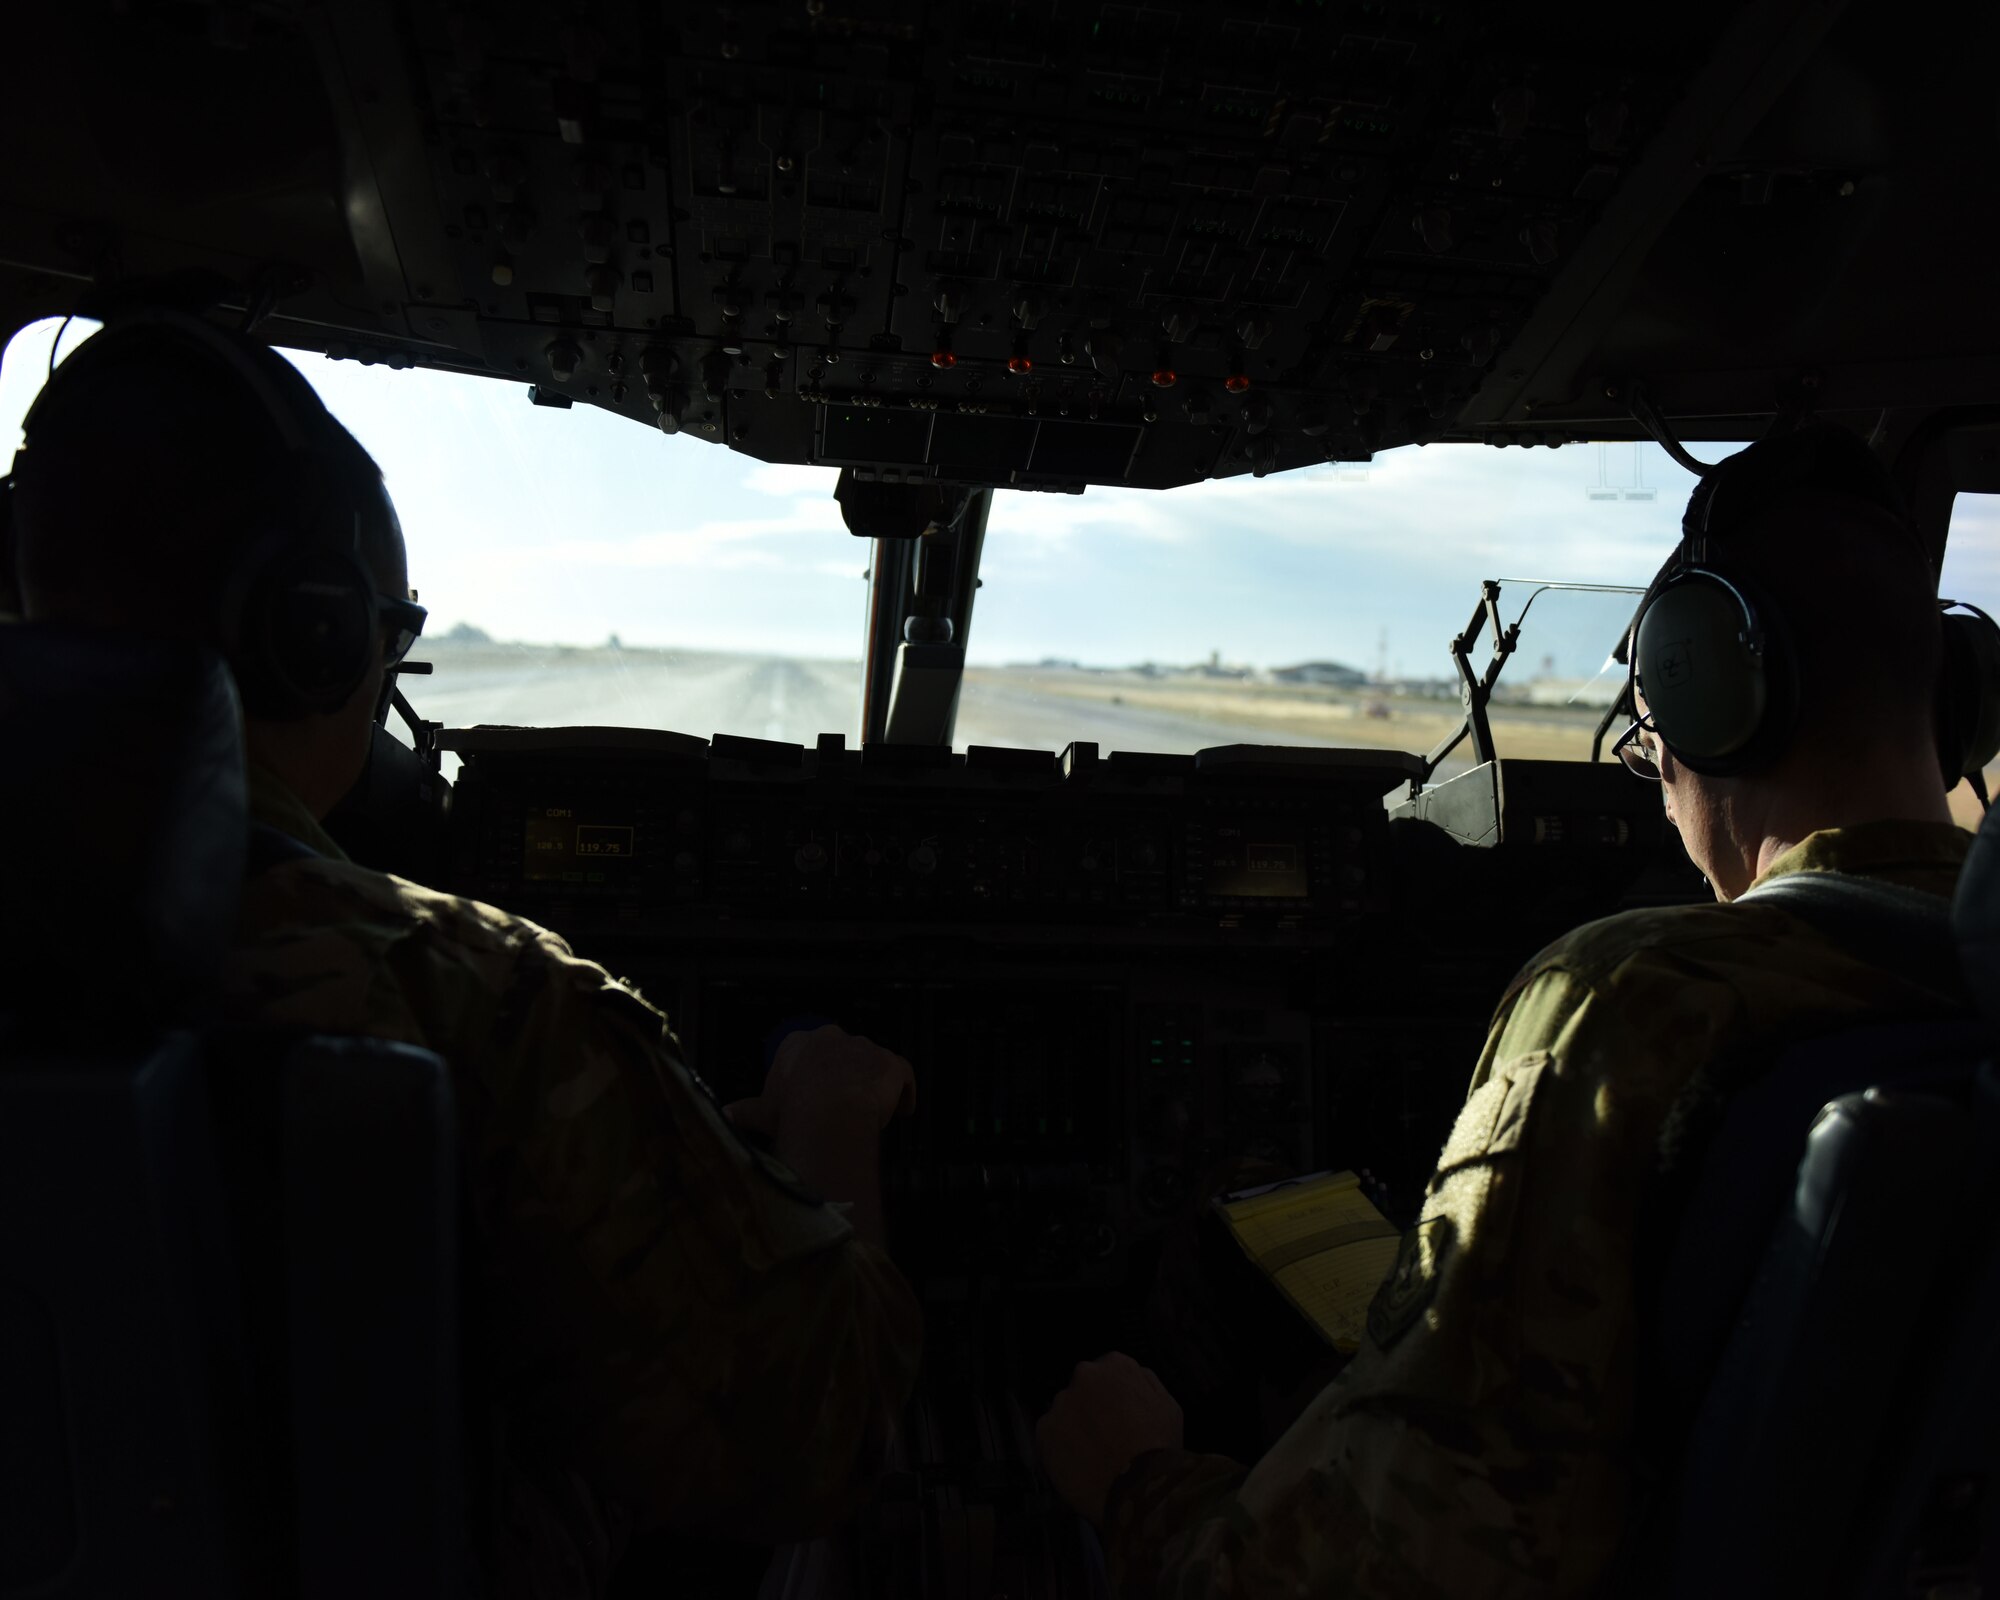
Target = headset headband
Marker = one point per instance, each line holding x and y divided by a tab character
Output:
295	431
296	612
299	431
1801	463
1694	531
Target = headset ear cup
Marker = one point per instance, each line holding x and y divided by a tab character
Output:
1717	681
300	626
1968	701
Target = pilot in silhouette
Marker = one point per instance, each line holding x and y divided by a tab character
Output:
681	1334
1483	1439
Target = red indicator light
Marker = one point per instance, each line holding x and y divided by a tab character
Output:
1165	378
1236	382
1019	364
943	358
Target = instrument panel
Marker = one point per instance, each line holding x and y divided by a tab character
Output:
1282	841
1126	981
1101	966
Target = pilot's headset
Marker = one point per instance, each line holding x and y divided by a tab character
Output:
1714	656
295	611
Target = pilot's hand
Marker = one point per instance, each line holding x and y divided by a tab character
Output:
828	1078
1113	1411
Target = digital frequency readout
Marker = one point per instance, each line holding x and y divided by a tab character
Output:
1249	865
559	848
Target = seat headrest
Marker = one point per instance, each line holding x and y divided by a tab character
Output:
122	818
1975	917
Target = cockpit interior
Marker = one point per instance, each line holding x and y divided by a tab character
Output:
973	260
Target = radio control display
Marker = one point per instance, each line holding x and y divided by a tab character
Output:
562	844
1257	862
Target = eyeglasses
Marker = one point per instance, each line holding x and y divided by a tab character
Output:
1639	748
402	622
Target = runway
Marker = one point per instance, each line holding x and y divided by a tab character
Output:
772	697
761	697
794	701
994	710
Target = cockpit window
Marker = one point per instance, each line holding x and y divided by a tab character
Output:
1318	606
582	570
30	357
579	569
1972	573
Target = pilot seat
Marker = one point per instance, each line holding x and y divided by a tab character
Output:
1822	1389
229	1354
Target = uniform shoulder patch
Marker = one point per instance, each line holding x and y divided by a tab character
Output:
1494	1119
1412	1282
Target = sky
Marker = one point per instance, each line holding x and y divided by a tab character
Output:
569	526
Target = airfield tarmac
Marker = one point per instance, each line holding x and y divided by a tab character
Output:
774	697
1034	708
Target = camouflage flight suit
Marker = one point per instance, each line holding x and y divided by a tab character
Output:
667	1314
1479	1443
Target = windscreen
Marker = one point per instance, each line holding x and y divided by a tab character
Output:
1318	606
1972	573
579	569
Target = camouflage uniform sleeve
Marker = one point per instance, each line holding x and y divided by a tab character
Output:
707	1344
1476	1446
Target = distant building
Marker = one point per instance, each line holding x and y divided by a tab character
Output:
1596	692
1321	674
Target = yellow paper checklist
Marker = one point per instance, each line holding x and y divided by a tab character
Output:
1322	1242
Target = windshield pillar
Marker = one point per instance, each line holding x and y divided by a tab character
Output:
920	596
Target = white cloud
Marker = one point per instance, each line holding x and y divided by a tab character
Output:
719	544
